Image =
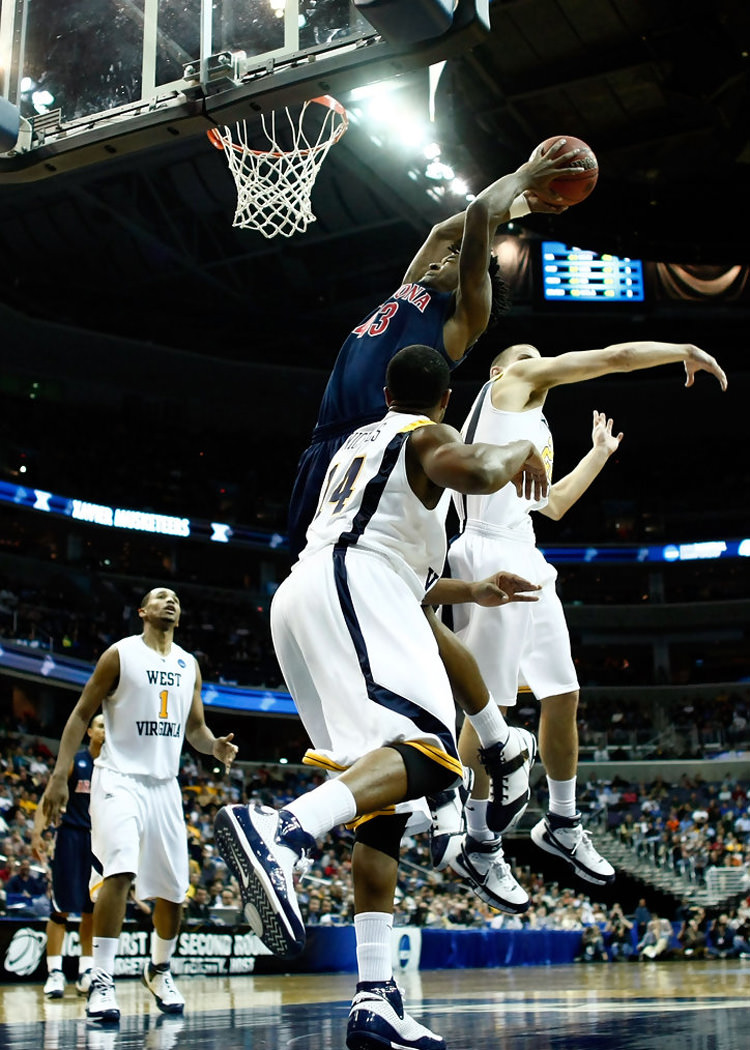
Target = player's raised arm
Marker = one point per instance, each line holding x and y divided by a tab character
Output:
486	212
441	238
539	374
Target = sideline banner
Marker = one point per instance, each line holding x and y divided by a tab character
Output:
229	950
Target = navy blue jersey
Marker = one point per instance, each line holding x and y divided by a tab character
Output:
354	394
76	814
353	397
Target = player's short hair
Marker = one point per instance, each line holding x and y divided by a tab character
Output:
417	376
501	301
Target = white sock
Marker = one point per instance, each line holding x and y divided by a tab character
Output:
105	949
161	950
373	933
324	808
85	963
562	797
489	725
54	962
476	820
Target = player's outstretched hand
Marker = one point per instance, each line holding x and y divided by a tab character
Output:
541	169
55	798
224	750
699	361
531	481
501	588
602	436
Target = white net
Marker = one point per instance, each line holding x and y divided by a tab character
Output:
274	183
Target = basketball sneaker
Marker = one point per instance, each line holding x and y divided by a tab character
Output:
261	847
449	821
509	766
159	981
377	1021
566	838
83	982
54	986
484	867
101	1004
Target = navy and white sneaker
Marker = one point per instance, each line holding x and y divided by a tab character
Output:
261	847
449	821
101	1002
566	838
509	766
484	867
378	1021
159	981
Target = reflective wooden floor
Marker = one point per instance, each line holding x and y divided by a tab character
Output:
629	1006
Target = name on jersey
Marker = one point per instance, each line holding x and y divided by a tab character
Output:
163	677
414	294
159	728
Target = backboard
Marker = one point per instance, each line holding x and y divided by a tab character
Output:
95	79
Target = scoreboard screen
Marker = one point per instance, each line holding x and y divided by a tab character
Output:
573	274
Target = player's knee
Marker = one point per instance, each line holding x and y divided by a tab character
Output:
383	833
424	776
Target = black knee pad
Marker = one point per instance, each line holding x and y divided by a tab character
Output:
58	919
424	776
383	833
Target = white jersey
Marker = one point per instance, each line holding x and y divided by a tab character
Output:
145	716
505	509
368	503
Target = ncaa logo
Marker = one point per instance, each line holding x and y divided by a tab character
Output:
404	951
25	952
181	662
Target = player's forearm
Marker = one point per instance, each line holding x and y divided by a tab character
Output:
498	198
491	467
201	738
447	591
70	741
568	490
631	357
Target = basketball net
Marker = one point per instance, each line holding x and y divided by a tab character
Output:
274	184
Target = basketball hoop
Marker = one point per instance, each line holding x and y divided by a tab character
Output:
274	183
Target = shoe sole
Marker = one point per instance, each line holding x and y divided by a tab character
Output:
542	840
106	1017
481	891
263	908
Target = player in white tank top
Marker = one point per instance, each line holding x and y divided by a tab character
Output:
149	690
528	645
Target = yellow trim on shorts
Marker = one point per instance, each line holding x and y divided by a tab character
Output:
437	755
524	689
314	758
93	890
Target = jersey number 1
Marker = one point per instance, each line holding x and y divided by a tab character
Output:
163	696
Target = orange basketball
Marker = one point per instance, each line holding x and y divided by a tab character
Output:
576	187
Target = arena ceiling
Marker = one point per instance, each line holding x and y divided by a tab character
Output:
144	246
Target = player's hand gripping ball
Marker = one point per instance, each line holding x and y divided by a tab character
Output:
575	187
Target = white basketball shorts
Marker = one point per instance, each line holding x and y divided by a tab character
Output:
360	659
522	643
137	825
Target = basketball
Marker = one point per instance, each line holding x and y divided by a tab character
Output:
576	187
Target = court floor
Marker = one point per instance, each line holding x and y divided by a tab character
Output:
632	1006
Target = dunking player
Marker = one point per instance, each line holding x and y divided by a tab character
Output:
363	666
530	644
447	299
149	690
71	867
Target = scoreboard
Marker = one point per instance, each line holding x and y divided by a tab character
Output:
573	274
